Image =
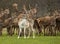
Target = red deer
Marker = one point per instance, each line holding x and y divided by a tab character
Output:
48	22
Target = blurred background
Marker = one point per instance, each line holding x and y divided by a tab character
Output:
43	6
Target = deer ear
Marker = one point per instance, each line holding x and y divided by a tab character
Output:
38	20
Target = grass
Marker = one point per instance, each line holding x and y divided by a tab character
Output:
38	40
4	39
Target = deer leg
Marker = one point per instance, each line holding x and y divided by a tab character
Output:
24	32
29	33
20	30
33	32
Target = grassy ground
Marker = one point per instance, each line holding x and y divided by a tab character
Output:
4	39
38	40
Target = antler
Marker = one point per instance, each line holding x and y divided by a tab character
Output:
24	7
29	6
